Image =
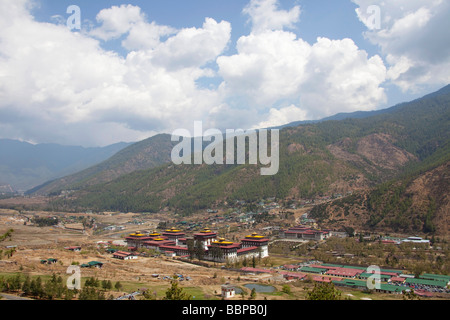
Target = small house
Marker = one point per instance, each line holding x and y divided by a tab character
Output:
74	248
228	291
95	264
123	255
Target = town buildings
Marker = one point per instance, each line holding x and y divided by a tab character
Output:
304	233
214	248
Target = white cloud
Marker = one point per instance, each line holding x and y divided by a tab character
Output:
414	40
265	15
129	20
273	69
116	21
278	117
193	47
62	86
55	83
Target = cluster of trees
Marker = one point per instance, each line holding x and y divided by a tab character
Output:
9	252
45	221
56	288
37	288
323	291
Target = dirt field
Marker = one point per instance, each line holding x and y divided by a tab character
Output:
34	244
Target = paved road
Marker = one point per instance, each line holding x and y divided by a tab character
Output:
12	297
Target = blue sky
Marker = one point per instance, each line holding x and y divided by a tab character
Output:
140	68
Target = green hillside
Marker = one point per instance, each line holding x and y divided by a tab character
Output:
145	154
326	158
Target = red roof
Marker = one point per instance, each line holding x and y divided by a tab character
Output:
325	279
291	266
174	234
174	248
423	293
138	238
123	254
255	240
298	275
249	269
159	243
398	279
247	249
344	272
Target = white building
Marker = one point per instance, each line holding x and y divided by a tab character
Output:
228	291
124	255
416	240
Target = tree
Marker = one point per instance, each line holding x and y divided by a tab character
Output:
216	253
108	285
199	250
253	294
3	237
410	295
36	288
147	295
191	248
324	291
118	286
176	293
26	286
286	289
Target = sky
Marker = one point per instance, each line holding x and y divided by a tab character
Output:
130	70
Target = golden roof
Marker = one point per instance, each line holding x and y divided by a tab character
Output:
222	241
137	234
255	235
173	229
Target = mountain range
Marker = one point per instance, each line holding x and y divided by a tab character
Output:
391	166
24	165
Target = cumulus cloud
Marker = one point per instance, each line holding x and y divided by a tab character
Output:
129	20
62	86
54	82
278	117
413	37
266	15
278	72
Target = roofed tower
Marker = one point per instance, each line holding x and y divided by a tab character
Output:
206	236
174	234
256	240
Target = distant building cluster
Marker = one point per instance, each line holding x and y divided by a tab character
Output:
174	242
304	233
388	240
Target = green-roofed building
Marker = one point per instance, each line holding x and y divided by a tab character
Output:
313	270
332	265
438	277
354	267
96	264
389	288
359	284
350	283
366	275
426	282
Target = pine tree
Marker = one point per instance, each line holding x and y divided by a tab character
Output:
176	293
